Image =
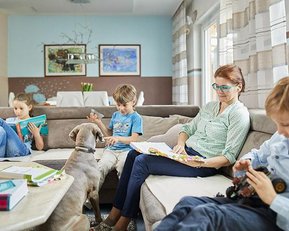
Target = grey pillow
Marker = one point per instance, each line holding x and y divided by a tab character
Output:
182	119
156	125
170	137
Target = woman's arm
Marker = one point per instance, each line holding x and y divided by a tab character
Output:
239	124
180	147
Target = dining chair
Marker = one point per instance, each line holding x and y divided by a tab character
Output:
95	98
69	99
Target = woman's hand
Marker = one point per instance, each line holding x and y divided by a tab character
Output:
262	185
111	140
93	118
179	149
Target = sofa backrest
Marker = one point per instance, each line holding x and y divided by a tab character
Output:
61	120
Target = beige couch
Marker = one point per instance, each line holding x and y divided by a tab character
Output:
159	194
61	121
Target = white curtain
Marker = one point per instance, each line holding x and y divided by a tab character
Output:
180	78
258	31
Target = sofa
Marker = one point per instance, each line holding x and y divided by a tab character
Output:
157	120
159	194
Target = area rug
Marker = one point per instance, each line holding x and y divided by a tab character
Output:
131	226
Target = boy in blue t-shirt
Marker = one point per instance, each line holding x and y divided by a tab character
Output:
125	126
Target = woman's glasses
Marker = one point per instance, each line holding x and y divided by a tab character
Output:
222	88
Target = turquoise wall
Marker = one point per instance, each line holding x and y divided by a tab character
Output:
28	34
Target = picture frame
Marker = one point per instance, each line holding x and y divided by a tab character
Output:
119	60
56	56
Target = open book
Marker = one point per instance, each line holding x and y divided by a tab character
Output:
162	149
22	130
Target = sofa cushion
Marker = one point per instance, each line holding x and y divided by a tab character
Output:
156	125
170	137
166	191
182	119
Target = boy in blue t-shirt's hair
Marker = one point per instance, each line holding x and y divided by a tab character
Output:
125	126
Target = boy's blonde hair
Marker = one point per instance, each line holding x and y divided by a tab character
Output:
124	94
278	99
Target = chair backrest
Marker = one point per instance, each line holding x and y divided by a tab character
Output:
69	99
140	99
95	98
11	99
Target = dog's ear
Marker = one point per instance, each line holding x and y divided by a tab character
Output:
98	134
74	132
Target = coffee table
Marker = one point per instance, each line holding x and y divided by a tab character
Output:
35	208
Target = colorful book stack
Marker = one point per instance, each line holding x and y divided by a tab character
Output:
11	192
36	176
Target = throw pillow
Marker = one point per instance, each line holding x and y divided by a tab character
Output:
156	125
170	137
182	119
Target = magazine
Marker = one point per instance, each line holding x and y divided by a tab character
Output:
162	149
22	130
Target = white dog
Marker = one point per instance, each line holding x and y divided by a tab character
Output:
84	168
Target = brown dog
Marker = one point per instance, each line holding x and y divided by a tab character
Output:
84	168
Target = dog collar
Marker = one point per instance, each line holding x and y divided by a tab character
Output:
85	149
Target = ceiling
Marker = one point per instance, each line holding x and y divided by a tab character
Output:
93	7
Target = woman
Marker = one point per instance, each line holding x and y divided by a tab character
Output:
217	134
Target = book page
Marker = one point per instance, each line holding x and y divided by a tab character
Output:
162	149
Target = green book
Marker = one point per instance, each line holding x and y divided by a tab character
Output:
22	130
32	174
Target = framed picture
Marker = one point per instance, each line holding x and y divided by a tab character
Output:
119	60
56	60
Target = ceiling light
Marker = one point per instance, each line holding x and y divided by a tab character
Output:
80	1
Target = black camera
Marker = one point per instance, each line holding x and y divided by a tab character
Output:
241	188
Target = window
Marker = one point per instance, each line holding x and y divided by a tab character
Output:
210	52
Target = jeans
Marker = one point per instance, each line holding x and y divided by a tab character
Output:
10	144
138	167
218	214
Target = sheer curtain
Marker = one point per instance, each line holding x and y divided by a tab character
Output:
180	76
257	29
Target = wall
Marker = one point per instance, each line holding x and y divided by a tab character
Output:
3	61
28	34
157	90
194	47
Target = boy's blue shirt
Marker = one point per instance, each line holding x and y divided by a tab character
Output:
125	125
274	154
